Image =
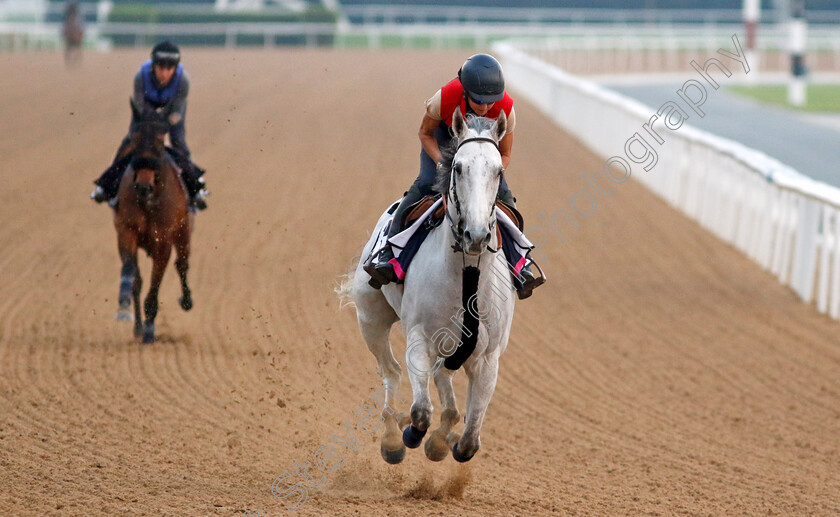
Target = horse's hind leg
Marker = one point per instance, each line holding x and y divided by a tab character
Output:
375	318
482	374
442	438
160	258
182	264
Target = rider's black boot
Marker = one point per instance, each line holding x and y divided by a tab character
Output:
380	269
99	194
195	187
108	184
527	282
379	266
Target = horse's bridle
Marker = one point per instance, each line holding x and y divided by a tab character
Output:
458	229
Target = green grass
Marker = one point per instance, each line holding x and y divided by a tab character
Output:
820	97
144	13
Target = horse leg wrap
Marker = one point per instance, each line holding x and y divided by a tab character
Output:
126	286
149	332
413	437
458	457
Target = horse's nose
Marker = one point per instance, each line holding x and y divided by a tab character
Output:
142	189
476	240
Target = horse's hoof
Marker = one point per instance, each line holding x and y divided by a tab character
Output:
413	437
125	315
392	457
138	331
403	420
148	334
457	455
436	448
186	302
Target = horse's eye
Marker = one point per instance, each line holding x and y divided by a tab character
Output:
458	168
500	171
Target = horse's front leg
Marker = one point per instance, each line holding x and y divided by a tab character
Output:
127	243
442	438
482	373
420	357
375	318
160	258
138	318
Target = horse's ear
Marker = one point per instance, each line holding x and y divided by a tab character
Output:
459	126
500	127
135	111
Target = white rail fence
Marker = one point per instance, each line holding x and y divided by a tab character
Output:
374	13
786	222
666	48
609	43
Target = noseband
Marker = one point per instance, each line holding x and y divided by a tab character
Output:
458	229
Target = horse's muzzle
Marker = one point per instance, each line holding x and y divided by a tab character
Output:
143	191
476	241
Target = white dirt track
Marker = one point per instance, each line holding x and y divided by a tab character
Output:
659	372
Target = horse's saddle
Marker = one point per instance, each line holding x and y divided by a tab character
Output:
416	210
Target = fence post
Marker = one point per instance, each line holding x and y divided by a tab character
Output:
825	239
793	210
835	269
805	255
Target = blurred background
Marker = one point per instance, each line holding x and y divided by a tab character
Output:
602	26
580	36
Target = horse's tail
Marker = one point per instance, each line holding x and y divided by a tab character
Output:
344	290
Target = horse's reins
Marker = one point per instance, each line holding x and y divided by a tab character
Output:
457	229
470	277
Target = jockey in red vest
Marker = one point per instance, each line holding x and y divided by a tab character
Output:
479	89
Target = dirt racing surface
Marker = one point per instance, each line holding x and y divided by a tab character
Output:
659	372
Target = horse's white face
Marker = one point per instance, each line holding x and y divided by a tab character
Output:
475	175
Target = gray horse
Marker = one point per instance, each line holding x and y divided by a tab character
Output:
433	308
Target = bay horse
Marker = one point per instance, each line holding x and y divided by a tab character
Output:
431	302
73	32
151	214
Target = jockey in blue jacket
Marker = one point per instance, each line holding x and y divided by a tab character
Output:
162	85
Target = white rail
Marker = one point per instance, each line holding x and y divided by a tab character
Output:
785	221
29	36
422	14
664	49
572	44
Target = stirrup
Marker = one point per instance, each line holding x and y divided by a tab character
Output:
381	272
528	286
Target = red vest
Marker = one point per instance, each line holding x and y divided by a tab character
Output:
452	96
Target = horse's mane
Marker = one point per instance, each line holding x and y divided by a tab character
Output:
146	162
477	124
148	149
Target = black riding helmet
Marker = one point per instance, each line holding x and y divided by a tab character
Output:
166	53
482	78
